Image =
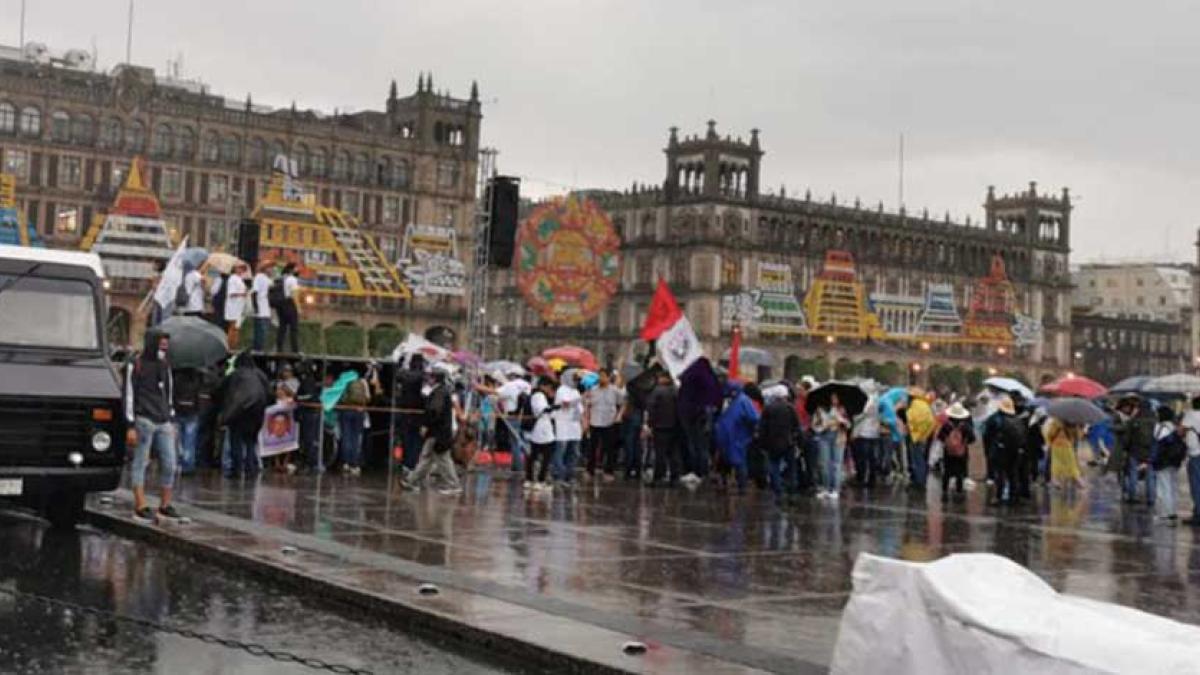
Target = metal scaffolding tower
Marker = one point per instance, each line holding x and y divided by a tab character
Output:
477	322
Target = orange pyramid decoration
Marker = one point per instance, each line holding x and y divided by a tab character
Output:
134	198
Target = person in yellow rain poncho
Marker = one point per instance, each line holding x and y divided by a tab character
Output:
921	425
1061	439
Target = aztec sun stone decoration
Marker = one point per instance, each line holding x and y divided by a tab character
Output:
568	261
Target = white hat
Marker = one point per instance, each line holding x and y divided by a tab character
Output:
809	380
958	412
775	391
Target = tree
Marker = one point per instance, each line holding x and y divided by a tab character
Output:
845	369
891	373
975	378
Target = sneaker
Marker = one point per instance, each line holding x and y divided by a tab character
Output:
689	477
527	485
833	496
355	471
169	511
449	492
291	468
411	487
822	494
145	514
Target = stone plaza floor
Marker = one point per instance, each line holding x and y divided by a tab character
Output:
733	578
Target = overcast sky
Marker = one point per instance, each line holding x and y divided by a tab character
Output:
1098	96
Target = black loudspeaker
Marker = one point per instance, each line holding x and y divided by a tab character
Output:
504	197
248	235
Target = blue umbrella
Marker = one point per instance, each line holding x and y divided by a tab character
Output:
195	256
1130	385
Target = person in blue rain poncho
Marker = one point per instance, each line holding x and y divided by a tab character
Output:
735	431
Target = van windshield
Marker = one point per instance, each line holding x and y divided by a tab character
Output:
47	312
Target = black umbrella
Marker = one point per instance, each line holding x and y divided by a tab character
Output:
195	343
1076	411
852	397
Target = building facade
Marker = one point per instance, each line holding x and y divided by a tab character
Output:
69	132
1111	348
1149	291
809	278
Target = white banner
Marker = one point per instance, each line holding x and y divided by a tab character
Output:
678	347
172	276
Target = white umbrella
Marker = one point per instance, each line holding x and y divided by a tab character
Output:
1009	386
1176	383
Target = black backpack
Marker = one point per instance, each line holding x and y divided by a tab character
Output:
1171	451
181	294
1012	434
525	412
275	295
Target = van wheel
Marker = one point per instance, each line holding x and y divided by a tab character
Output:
65	510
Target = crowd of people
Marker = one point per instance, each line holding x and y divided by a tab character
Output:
562	426
227	299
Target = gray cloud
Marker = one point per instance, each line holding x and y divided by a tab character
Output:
1097	96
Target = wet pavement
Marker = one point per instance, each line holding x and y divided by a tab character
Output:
99	570
732	579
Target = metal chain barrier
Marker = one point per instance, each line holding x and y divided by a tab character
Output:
254	649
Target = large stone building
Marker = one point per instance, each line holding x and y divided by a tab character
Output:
1132	319
68	132
811	277
1150	291
1109	348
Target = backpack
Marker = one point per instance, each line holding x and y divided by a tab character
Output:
1012	435
275	295
356	393
525	412
182	295
955	444
1171	451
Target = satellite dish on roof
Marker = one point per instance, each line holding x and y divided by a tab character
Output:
36	52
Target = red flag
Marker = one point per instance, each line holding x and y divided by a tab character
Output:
735	352
663	314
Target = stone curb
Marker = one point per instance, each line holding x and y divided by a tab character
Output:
510	652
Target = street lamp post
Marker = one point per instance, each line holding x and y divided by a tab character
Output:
830	341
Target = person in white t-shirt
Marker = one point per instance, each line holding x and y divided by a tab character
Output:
260	289
235	304
1191	436
193	285
541	439
568	429
289	311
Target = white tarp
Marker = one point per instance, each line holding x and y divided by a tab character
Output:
982	613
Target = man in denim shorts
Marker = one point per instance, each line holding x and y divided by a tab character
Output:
149	400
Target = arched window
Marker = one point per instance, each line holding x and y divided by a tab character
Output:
31	121
160	142
257	155
112	133
231	150
319	161
60	127
135	136
210	149
362	168
303	160
277	148
185	143
341	165
8	118
82	130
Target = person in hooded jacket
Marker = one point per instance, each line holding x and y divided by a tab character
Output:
410	397
308	415
734	431
245	396
436	453
777	430
149	411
